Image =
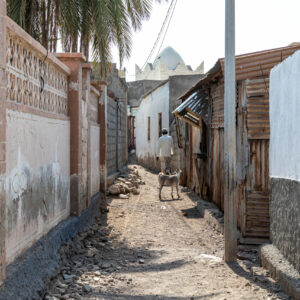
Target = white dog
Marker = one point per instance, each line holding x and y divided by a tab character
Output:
169	180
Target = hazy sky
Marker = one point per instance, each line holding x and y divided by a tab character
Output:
197	30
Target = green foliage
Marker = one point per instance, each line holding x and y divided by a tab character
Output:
98	24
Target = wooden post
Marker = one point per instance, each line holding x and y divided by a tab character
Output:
230	222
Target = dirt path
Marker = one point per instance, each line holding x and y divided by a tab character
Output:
151	249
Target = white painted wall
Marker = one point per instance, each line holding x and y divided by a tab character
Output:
151	105
95	159
284	119
37	184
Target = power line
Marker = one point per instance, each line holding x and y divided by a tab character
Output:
160	33
167	28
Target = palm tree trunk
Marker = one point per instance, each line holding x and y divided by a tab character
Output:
43	25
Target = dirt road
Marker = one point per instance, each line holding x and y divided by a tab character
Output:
144	248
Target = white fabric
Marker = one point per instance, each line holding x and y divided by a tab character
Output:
165	146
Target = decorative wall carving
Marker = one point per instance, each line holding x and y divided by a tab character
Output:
32	79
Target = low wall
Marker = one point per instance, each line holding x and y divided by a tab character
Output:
37	183
285	218
41	262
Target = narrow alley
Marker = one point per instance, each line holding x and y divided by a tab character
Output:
143	248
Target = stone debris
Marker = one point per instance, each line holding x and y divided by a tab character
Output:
128	182
114	190
135	191
86	265
122	196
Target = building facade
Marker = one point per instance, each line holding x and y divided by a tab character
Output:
167	63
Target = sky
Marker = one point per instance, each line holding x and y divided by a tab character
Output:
197	30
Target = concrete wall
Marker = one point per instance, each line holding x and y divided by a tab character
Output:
48	132
117	149
37	183
152	104
285	158
136	89
116	135
95	159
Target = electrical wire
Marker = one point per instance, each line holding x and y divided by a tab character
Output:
167	28
160	32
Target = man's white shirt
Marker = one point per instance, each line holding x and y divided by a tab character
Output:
165	146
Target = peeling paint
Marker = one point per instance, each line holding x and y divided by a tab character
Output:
32	195
37	179
73	86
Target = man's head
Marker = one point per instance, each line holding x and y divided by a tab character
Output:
164	131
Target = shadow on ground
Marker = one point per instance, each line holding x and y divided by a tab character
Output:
98	252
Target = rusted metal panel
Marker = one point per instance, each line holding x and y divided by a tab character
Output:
217	96
216	184
260	63
257	205
258	122
257	215
258	177
242	155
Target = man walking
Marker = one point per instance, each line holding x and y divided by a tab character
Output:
165	151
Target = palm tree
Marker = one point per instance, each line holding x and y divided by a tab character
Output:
98	24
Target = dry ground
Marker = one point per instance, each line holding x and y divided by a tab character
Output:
144	248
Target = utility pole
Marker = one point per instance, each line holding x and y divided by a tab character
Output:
230	224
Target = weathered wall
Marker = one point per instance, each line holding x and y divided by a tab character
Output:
116	135
111	136
49	130
152	104
37	151
136	89
284	158
117	144
37	183
95	159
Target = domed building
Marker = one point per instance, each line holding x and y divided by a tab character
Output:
167	63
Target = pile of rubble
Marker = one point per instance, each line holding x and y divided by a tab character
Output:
127	182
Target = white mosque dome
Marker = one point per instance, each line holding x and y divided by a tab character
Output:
169	57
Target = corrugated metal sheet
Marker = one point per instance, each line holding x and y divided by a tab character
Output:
216	163
257	215
257	198
250	65
258	178
194	108
260	63
258	122
217	96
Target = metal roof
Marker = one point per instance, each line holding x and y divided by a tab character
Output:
194	108
248	66
260	63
